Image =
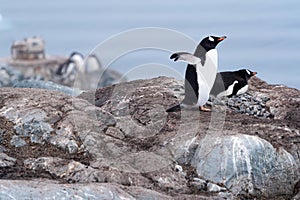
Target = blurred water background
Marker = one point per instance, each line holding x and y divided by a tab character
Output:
263	36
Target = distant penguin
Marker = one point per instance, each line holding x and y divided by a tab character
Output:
231	83
66	68
78	59
201	70
74	64
92	64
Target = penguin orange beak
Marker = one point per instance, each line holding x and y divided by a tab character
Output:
254	73
222	38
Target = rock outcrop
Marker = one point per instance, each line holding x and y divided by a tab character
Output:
47	85
284	103
118	142
44	76
9	76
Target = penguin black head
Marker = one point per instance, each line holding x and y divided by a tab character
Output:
246	73
75	53
211	42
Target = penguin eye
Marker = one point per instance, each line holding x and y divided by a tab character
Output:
211	39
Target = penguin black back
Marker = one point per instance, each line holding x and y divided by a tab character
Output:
231	82
74	53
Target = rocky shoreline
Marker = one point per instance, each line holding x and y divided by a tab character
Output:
119	143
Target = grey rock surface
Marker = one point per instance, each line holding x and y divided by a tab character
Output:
41	189
37	114
119	138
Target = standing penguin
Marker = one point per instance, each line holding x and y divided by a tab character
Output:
92	64
200	73
74	63
231	83
78	59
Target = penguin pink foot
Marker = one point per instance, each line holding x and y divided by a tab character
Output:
202	108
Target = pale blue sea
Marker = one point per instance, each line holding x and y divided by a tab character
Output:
263	36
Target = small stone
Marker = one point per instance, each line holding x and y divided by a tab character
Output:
6	161
38	132
247	104
1	133
244	99
266	115
72	147
2	149
115	133
265	99
258	99
211	187
200	184
17	141
178	168
248	110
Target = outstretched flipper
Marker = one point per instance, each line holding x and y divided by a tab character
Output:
186	57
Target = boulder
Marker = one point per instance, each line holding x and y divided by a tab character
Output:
247	165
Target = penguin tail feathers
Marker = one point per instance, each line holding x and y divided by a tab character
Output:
174	108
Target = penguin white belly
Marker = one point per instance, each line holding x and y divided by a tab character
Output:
228	91
206	76
203	92
242	90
